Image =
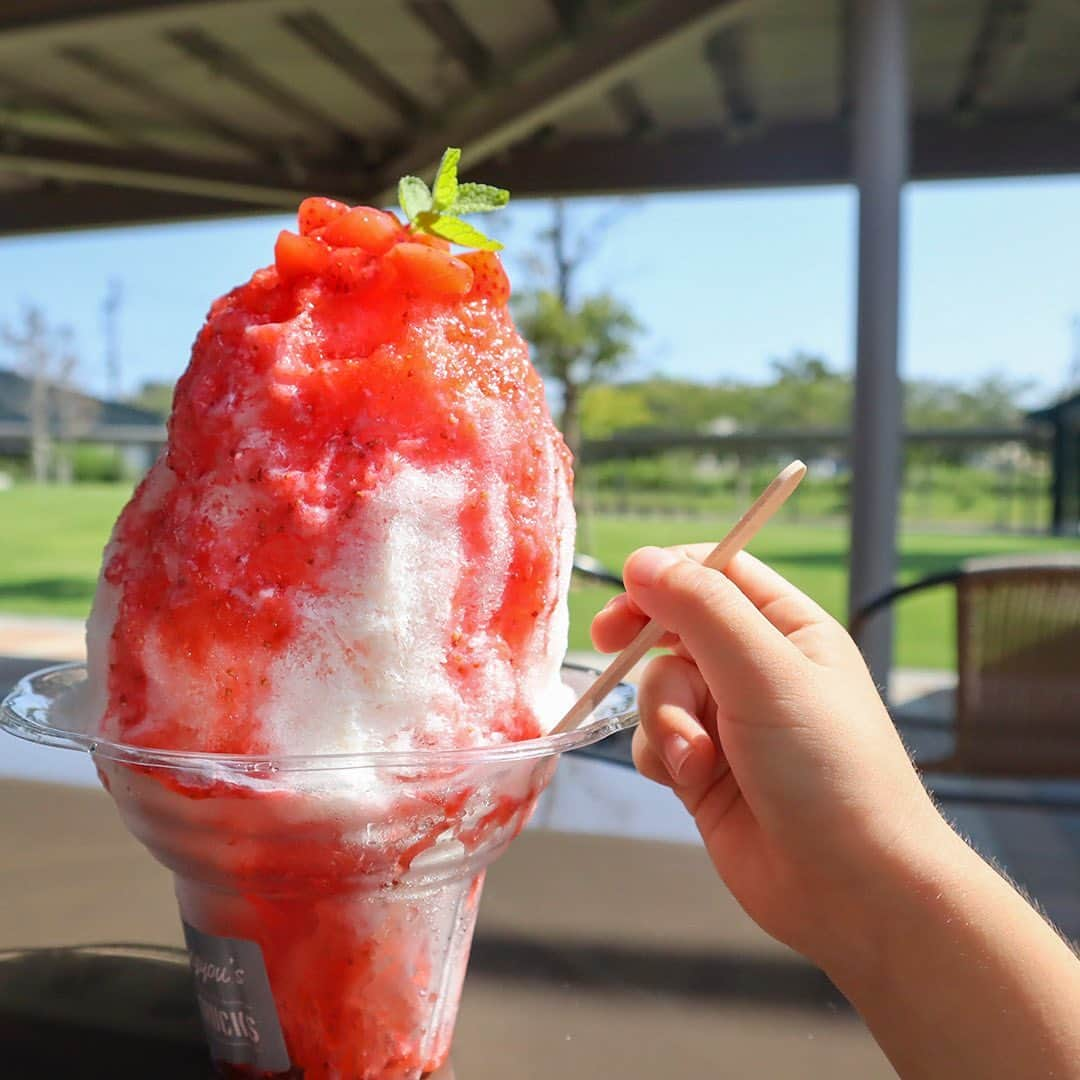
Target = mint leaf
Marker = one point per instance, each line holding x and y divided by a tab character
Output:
414	196
479	199
435	210
459	232
445	188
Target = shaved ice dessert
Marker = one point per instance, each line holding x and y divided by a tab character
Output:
358	541
360	534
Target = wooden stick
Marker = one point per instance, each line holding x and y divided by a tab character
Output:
763	508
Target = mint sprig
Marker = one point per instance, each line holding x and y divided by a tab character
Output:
436	210
414	196
445	189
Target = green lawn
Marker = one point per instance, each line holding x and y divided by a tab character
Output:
51	541
815	559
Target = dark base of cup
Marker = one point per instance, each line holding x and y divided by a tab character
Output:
243	1072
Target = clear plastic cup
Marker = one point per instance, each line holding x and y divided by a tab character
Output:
328	901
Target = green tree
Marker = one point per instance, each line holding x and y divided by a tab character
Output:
992	401
578	346
804	393
688	405
576	341
609	408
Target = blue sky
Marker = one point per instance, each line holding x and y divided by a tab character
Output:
722	281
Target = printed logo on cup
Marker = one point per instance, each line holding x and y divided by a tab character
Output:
237	1008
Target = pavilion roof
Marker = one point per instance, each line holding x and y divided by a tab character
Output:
131	110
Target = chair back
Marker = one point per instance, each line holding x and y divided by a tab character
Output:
1018	667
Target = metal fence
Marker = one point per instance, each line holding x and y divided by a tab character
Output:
986	479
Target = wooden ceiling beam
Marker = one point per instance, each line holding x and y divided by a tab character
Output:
59	159
999	45
222	60
557	77
577	16
570	14
96	186
62	105
845	59
325	39
116	73
445	24
783	156
637	117
698	160
725	54
36	17
53	206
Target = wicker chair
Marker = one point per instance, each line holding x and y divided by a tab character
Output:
1017	702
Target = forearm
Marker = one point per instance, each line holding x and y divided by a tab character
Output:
959	976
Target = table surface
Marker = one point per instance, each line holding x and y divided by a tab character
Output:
595	956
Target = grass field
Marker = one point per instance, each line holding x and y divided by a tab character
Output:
51	541
50	545
815	559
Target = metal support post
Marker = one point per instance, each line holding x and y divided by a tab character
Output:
880	158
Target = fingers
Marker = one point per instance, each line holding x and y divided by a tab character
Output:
673	744
731	640
647	760
619	622
788	609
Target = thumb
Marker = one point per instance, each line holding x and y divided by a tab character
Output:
730	640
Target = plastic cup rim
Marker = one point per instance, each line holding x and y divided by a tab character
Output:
25	713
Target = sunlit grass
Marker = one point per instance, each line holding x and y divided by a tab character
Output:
815	558
51	541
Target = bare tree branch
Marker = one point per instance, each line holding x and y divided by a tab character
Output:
47	360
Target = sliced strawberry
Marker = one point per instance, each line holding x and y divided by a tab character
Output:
489	277
348	269
317	212
296	256
429	270
363	227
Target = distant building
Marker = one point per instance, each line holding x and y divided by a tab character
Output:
65	415
1064	418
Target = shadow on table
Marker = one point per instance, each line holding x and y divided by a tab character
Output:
613	968
128	1011
108	1012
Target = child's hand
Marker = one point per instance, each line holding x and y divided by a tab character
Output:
767	725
